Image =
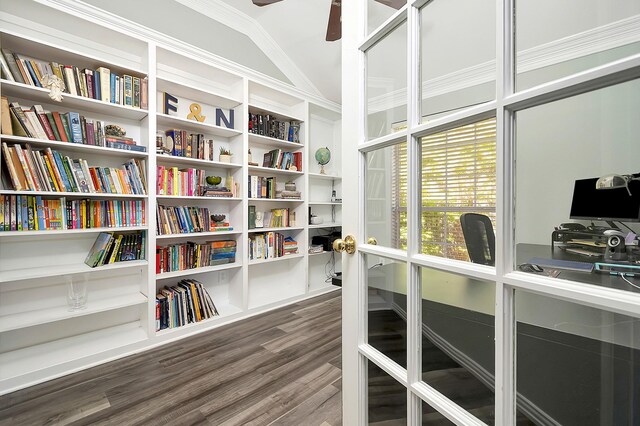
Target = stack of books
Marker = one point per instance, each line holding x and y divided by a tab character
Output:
215	191
101	84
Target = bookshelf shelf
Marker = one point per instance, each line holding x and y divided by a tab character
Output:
72	102
169	159
282	228
71	194
324	203
186	197
259	169
196	271
59	313
225	310
325	225
74	147
256	139
60	270
170	121
278	200
70	231
276	259
321	176
197	235
55	352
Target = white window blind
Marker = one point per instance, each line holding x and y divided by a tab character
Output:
458	176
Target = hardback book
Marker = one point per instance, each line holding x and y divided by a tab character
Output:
252	217
5	127
105	84
128	90
76	129
14	73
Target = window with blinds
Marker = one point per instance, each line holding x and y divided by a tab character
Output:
458	176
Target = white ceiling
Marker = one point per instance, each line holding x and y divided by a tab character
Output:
299	27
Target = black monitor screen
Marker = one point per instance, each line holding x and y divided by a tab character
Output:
605	204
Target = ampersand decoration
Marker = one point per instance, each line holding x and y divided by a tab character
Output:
196	113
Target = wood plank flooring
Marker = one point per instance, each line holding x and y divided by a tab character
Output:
282	368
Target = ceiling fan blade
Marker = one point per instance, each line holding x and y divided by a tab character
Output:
264	2
396	4
334	26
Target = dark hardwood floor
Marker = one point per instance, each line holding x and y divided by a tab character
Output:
282	368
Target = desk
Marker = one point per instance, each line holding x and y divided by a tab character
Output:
524	252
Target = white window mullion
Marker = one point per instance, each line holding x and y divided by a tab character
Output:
505	388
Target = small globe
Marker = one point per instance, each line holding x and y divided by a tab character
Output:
323	155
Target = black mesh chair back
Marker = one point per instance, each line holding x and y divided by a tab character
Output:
479	238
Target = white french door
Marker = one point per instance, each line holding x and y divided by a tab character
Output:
428	336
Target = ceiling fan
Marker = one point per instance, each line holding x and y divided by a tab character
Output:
334	26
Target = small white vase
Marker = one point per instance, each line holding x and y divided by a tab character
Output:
225	158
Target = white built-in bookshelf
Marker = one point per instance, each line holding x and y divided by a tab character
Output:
39	337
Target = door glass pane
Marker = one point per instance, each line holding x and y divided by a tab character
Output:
431	417
387	84
387	304
386	398
458	340
386	196
457	55
569	154
555	39
576	365
459	185
378	11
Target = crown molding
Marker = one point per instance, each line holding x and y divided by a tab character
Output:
596	40
120	24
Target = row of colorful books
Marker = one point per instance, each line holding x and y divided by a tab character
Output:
268	125
274	218
179	143
116	247
191	183
185	303
48	170
101	84
186	220
34	213
270	245
36	122
84	214
190	255
282	160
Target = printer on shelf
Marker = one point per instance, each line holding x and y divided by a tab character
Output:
326	241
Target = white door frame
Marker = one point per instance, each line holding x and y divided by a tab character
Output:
355	350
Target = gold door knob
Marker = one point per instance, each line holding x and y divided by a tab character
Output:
348	245
372	241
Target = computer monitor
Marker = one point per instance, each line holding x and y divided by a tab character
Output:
605	204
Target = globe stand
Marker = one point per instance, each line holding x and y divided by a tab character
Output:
322	169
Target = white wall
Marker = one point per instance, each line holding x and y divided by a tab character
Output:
185	24
581	137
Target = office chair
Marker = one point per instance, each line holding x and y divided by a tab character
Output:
479	238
